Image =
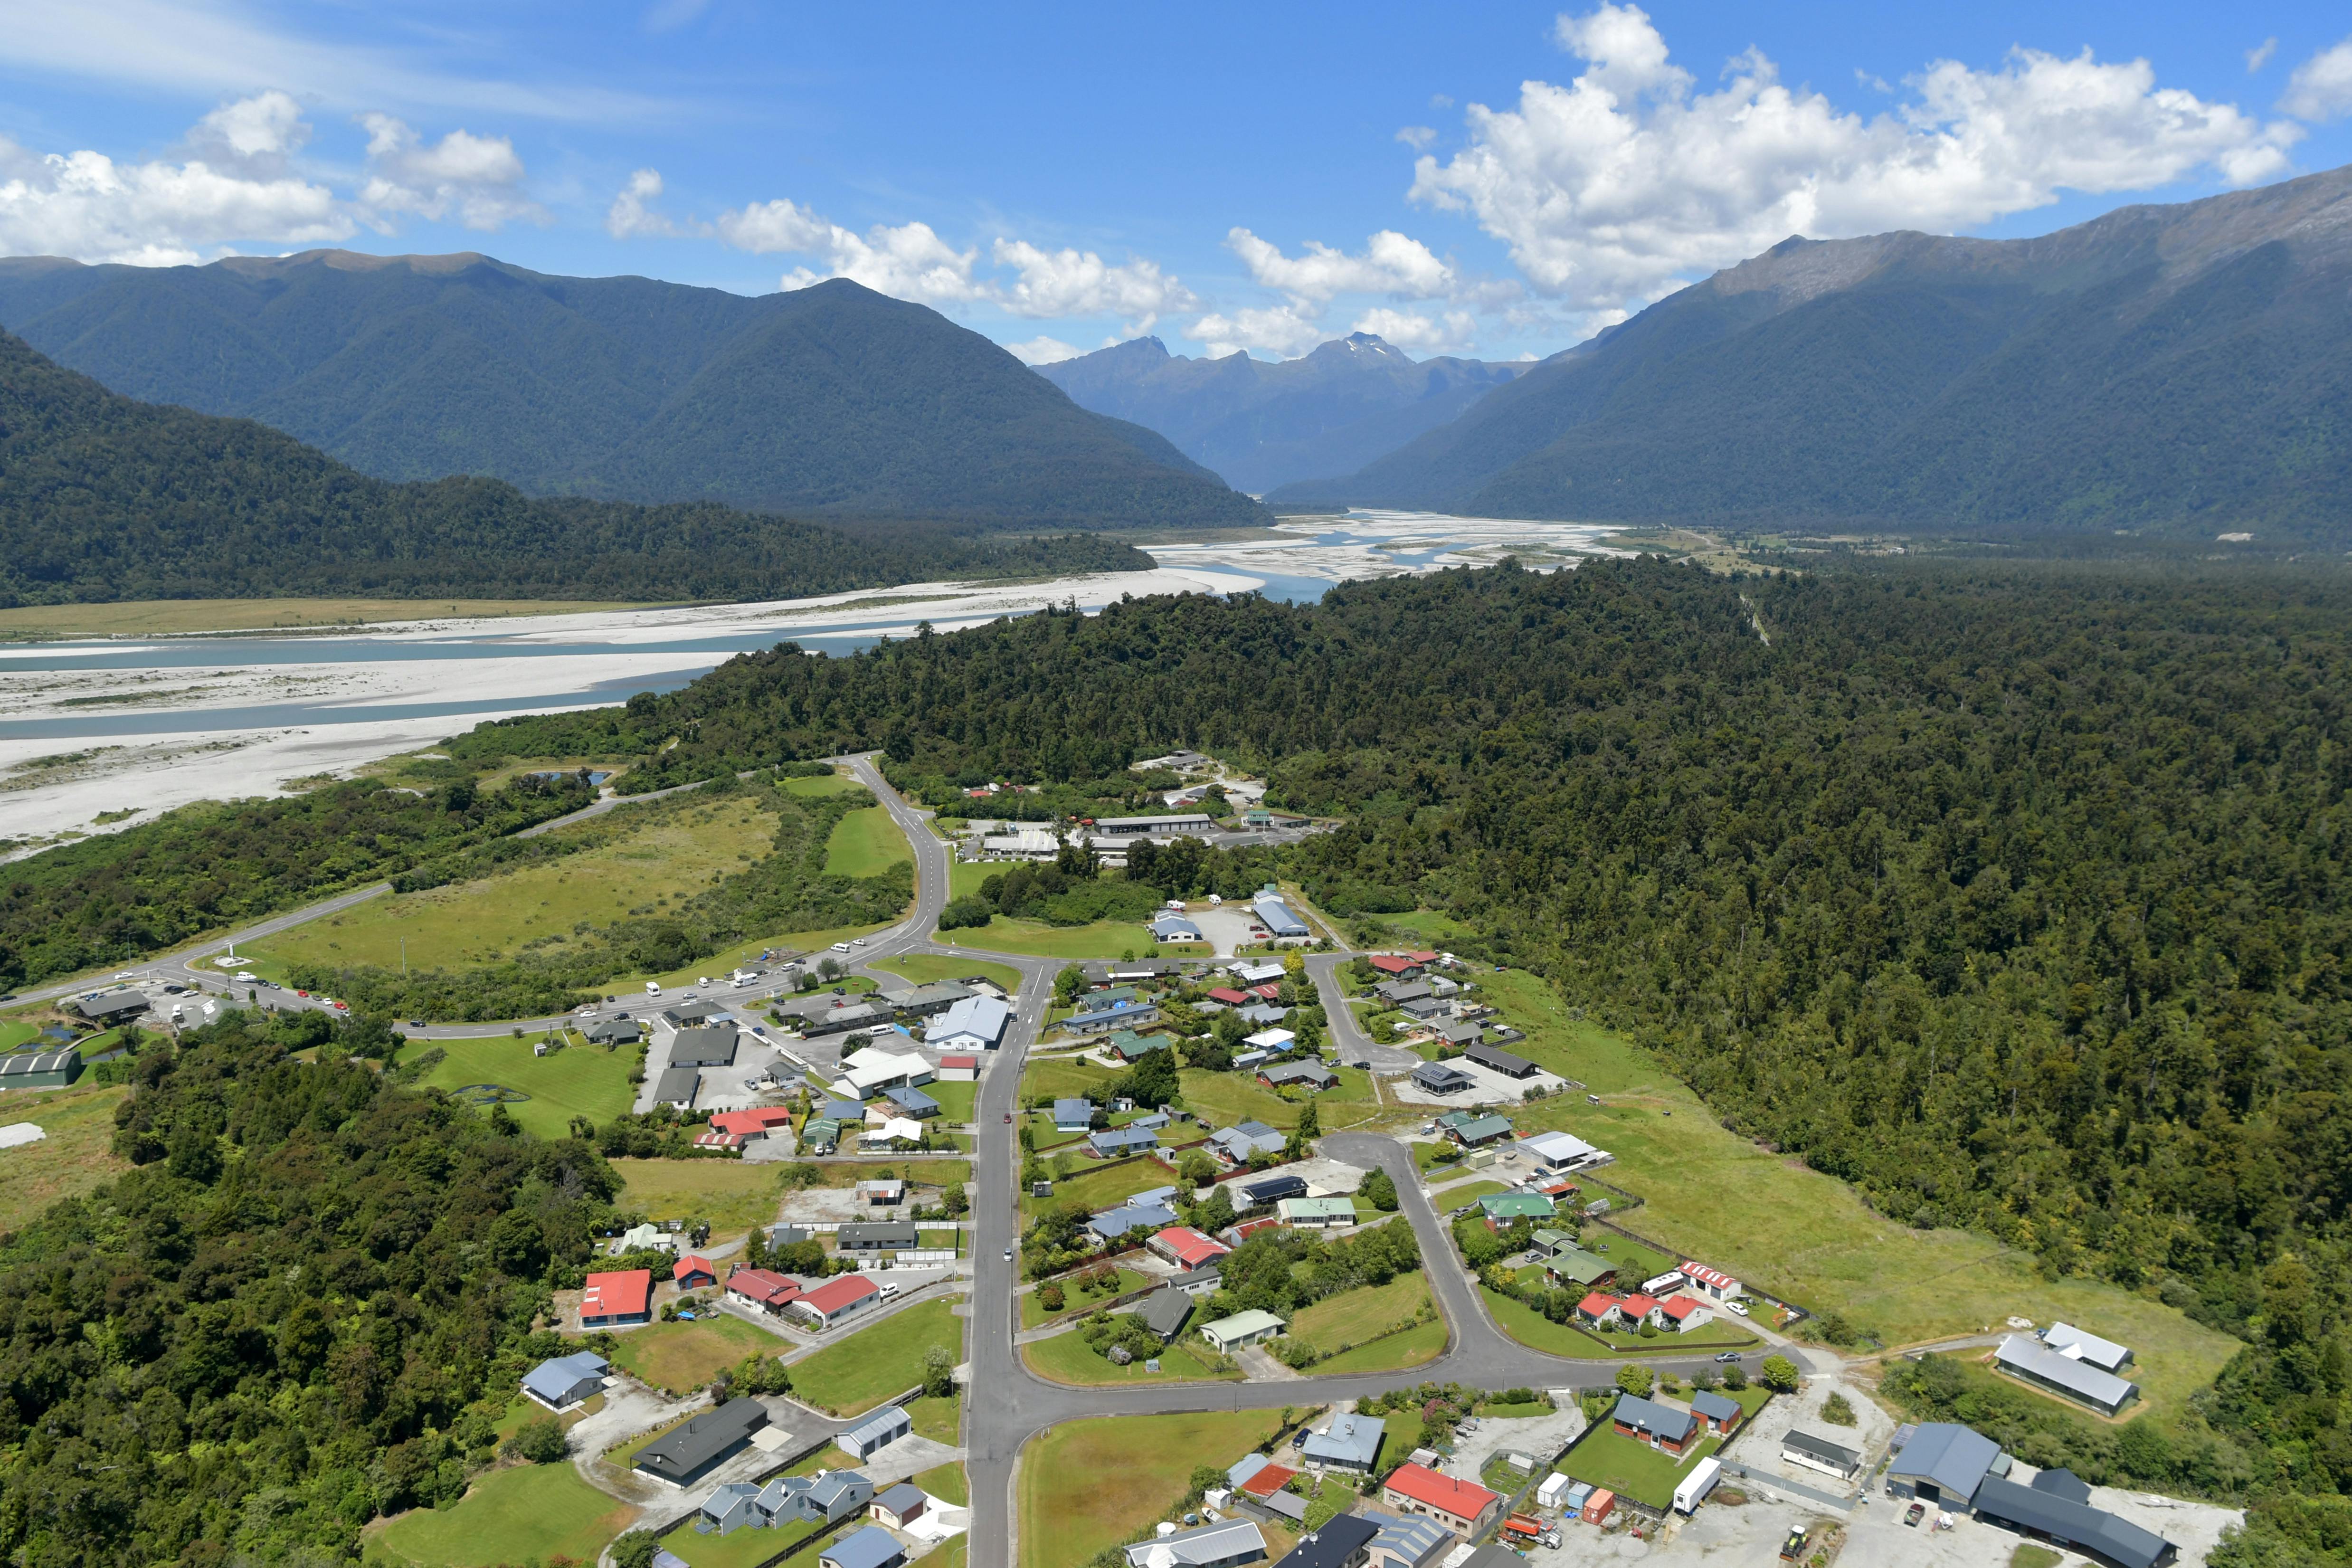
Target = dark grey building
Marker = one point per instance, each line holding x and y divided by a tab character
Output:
705	1047
682	1458
886	1236
678	1086
114	1007
1500	1061
2051	1510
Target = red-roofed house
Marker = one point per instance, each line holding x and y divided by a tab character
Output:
1395	967
719	1139
1637	1307
754	1123
1185	1247
1711	1283
1266	992
692	1273
1463	1507
626	1296
837	1298
1425	958
762	1288
1597	1309
959	1070
1269	1481
1249	1227
1229	996
1683	1313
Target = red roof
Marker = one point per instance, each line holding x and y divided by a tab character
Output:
691	1264
1189	1247
628	1293
1705	1276
959	1061
1638	1305
1268	1481
1462	1499
1429	957
1388	963
1269	993
764	1118
719	1139
764	1285
1229	996
835	1295
1679	1307
1248	1228
1600	1304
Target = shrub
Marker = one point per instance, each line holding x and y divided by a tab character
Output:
541	1442
1050	1297
1779	1375
1836	1411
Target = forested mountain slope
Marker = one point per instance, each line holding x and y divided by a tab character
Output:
2183	369
1262	425
102	498
2017	898
832	400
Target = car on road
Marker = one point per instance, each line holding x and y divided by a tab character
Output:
652	988
1008	1255
246	976
1008	1119
1728	1355
301	993
416	1022
124	975
1739	1308
841	947
858	941
1911	1515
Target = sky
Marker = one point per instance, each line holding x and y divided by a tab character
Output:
1500	180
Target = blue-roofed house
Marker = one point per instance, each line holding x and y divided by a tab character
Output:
1112	1224
1350	1443
1102	1020
1407	1541
1073	1115
1275	915
974	1024
912	1102
565	1381
1114	1141
1174	927
872	1547
729	1510
1941	1463
1244	1469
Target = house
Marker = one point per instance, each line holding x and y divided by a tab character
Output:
900	1506
912	1103
1186	1248
1497	1060
646	1237
889	1236
1343	1541
1129	1047
894	1131
1227	996
40	1069
1424	1009
1227	1335
1164	1313
974	1024
752	1125
1558	1151
1348	1443
1272	1190
728	1508
836	1298
2057	1508
1113	1143
1573	1265
1275	915
1407	1542
930	1001
845	1015
1472	1131
1942	1463
1206	1280
763	1289
1803	1448
827	1497
2075	1345
1151	1121
1681	1313
2029	1360
1502	1208
692	1272
707	1048
1117	1015
611	1300
566	1381
112	1008
1636	1309
1174	927
1711	1283
1273	1042
1395	965
1256	971
1236	1145
1249	1466
1248	1061
877	1432
1662	1426
873	1070
1398	993
1112	1224
872	1547
1718	1415
676	1087
614	1032
683	1456
1463	1507
1229	1543
1073	1115
1317	1214
1598	1309
1314	1077
1459	1036
959	1070
1439	1078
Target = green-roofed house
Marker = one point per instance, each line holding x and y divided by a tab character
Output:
1317	1214
1573	1265
1502	1209
1132	1046
1472	1131
822	1135
1550	1241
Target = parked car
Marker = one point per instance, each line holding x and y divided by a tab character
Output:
1008	1255
1728	1355
1911	1515
1738	1308
416	1022
245	974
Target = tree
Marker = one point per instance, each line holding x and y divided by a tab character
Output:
1069	984
1735	1377
1151	1082
1197	1169
939	1372
635	1548
1229	1029
1294	964
1779	1375
1050	1297
1636	1380
1379	1188
541	1442
1310	1121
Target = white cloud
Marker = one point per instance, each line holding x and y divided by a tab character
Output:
909	261
629	215
1410	330
85	205
2321	86
476	180
1042	351
1389	263
2260	55
1417	136
1061	283
1615	188
1287	328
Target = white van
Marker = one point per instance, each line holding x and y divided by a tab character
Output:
652	988
889	1291
841	947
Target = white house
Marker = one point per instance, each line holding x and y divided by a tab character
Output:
873	1068
974	1024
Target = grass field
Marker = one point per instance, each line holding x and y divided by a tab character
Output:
937	1419
1354	1316
1086	1485
855	1374
155	617
1428	925
1101	938
732	1195
77	1155
832	783
1101	1186
964	876
682	1357
1629	1468
1221	1099
948	1484
583	1080
924	968
1067	1358
1077	1304
1422	1343
1059	1078
932	1172
525	1512
1794	1231
479	922
864	843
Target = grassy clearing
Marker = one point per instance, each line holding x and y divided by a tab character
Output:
925	968
524	1511
864	843
931	1173
682	1357
964	876
937	1419
1435	928
1395	1353
583	1080
1062	1077
948	1484
1100	939
1086	1485
1631	1469
955	1100
480	921
1537	1333
1077	1303
1221	1099
1356	1315
1794	1231
851	1376
732	1195
832	783
1100	1186
1067	1358
157	617
77	1155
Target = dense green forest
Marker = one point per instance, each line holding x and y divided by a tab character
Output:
2013	896
306	1306
103	499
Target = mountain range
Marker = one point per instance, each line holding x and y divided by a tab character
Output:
1262	425
2179	369
833	400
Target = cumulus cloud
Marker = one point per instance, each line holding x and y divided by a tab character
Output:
1061	283
631	213
476	180
1389	263
1627	181
232	186
1287	328
2260	55
908	261
1410	330
1042	351
2321	86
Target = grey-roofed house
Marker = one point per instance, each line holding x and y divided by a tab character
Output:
1228	1543
1073	1115
900	1505
1941	1463
841	1020
878	1431
1112	1224
1407	1541
975	1024
925	1001
1116	1015
1350	1443
1424	1009
912	1102
40	1069
1577	1267
1305	1075
2074	1344
114	1007
828	1496
1204	1280
1114	1141
1460	1036
1470	1130
1661	1425
565	1381
1819	1454
2054	1513
1720	1415
682	1456
1264	1012
677	1087
728	1508
1495	1059
1343	1542
1236	1144
707	1047
1275	915
1397	992
614	1032
885	1235
1165	1310
872	1547
1437	1078
1174	927
2029	1360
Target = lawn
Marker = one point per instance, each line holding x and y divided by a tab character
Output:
1087	1485
732	1195
746	1548
1077	1304
1099	938
1067	1358
832	784
1221	1099
670	857
1100	1186
948	1484
1632	1469
77	1155
580	1080
1354	1316
1794	1231
937	1419
928	968
1462	1197
864	843
1062	1077
852	1375
965	877
1428	925
927	1173
1420	1343
526	1511
955	1100
682	1357
1537	1333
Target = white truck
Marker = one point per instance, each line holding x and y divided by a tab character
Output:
1696	1484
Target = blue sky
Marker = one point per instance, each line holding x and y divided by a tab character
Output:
1499	180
